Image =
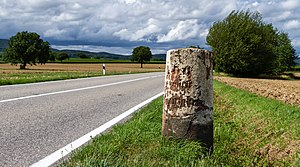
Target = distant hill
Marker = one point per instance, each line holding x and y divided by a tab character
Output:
73	53
106	55
159	57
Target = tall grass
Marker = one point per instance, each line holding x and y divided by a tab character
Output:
249	130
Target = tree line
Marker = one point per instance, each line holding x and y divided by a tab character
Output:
243	45
27	48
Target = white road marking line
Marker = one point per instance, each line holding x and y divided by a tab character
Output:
67	80
75	90
47	82
57	155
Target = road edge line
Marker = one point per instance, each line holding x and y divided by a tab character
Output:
69	80
77	89
57	155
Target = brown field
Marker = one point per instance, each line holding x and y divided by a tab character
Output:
287	91
126	68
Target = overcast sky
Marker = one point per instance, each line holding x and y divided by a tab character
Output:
118	26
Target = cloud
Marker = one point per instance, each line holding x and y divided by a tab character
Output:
292	24
290	4
183	30
255	4
161	24
296	43
139	35
128	1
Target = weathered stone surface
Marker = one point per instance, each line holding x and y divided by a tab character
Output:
188	98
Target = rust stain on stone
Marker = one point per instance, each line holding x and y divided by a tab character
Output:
175	74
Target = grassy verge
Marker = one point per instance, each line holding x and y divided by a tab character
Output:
21	78
12	79
249	131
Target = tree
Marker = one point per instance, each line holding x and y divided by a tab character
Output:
141	54
286	54
61	56
52	56
27	48
244	45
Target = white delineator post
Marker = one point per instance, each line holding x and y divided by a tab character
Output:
103	69
188	96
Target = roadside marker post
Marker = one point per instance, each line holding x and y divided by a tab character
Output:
103	68
188	96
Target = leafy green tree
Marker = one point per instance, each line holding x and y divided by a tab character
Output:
286	54
27	48
62	56
141	54
52	56
244	45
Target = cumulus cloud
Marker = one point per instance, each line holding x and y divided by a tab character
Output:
128	1
290	4
296	43
139	35
183	30
161	24
292	24
255	4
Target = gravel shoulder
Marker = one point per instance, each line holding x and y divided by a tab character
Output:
287	91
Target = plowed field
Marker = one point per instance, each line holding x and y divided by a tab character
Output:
287	91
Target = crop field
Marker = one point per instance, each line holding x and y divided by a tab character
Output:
287	91
53	71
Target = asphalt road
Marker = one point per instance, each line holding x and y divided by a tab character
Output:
38	119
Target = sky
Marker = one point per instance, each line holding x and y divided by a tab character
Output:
118	26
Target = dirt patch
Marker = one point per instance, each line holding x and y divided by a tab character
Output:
287	91
274	153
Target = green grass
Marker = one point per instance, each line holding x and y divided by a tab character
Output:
22	78
249	130
19	78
